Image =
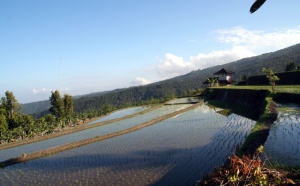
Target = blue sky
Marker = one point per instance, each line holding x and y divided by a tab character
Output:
79	47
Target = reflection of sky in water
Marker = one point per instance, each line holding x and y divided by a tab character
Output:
119	114
89	133
283	143
177	151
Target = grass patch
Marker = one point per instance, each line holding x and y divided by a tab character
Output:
279	166
260	131
278	89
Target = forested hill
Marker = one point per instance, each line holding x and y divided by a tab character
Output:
177	86
34	107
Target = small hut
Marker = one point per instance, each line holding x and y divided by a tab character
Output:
222	78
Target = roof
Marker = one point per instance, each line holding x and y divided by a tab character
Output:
223	71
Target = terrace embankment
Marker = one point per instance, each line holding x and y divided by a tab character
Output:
262	107
240	96
260	132
288	98
262	104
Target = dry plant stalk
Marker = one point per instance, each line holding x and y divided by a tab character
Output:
246	171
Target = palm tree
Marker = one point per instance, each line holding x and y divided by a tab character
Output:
256	5
212	81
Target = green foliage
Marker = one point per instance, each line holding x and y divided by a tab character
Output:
286	78
190	92
271	77
212	82
15	126
3	121
57	105
27	123
292	67
68	107
61	108
295	89
49	118
244	78
10	104
258	134
106	109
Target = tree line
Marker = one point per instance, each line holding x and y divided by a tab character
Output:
14	125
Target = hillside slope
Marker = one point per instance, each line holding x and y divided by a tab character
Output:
176	86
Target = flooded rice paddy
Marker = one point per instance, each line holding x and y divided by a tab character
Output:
177	151
283	143
119	114
89	133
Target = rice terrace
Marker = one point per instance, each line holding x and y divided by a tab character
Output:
150	93
191	138
203	138
152	155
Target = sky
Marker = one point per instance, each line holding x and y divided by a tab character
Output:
85	46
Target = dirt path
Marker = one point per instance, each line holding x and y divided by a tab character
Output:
54	150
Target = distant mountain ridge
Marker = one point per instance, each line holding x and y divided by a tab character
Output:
38	106
276	61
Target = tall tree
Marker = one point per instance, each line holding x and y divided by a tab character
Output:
68	107
3	122
10	104
57	105
271	76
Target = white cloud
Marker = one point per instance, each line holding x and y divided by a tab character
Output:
173	65
220	57
259	41
45	91
243	43
140	81
41	91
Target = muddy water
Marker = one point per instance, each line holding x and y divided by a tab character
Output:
283	143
